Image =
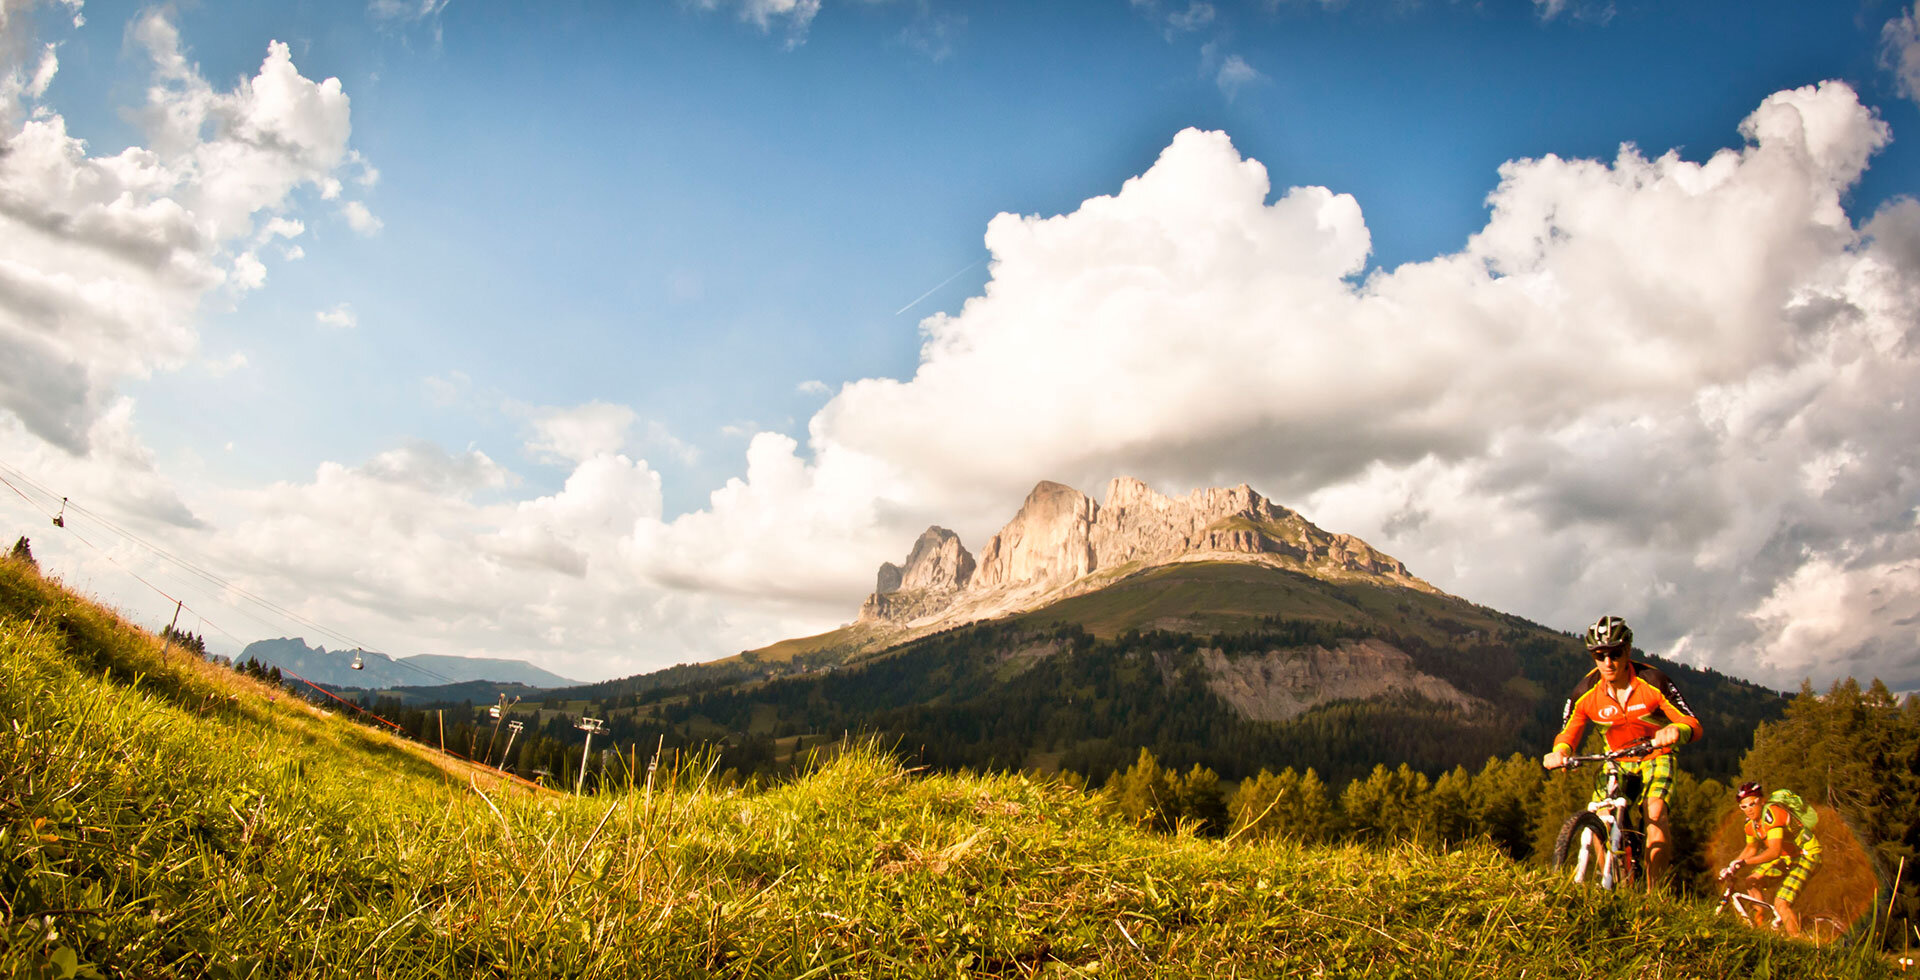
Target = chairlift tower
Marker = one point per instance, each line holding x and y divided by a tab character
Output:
590	726
513	728
498	711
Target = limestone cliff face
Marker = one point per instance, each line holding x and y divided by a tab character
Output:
937	568
1048	542
1281	684
938	561
1061	541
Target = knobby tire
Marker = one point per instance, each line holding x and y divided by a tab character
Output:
1574	843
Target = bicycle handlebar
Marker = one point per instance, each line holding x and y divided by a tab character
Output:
1631	750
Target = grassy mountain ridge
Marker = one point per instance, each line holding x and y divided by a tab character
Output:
163	819
1085	682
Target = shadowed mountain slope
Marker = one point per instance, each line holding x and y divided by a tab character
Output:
1217	629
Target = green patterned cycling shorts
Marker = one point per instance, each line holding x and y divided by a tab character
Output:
1655	776
1797	871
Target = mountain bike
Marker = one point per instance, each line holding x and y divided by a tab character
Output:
1605	842
1819	928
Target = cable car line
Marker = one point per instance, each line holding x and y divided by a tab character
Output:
58	518
219	582
30	501
208	576
191	568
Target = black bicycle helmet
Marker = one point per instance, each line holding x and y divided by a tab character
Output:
1746	790
1609	631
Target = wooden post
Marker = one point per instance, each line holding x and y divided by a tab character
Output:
1892	894
166	639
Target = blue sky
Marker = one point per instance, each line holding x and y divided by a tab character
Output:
666	236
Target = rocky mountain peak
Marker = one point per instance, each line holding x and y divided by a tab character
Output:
1046	542
1062	543
938	561
938	567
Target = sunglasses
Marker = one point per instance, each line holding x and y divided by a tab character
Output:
1609	653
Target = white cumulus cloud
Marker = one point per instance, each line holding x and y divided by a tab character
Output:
1675	389
360	219
1900	51
405	10
104	260
580	433
791	16
1234	75
341	317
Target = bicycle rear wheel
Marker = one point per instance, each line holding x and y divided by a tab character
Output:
1581	849
1823	929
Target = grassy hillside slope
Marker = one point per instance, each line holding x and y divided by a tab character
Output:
1208	597
169	820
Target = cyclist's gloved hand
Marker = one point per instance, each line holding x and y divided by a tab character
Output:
1554	759
1733	868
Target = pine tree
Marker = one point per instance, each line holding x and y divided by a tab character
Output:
1450	806
1256	804
1199	798
1310	814
22	552
1390	804
1562	794
1694	812
1144	793
1504	795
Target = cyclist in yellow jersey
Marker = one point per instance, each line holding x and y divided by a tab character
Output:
1780	854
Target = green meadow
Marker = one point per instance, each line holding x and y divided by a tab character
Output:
161	816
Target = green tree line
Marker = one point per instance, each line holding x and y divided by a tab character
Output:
1856	750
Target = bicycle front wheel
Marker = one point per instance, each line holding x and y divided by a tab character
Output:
1581	849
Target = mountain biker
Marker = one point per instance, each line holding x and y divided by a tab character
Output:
1781	854
1629	701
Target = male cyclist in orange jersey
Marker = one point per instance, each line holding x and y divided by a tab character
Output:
1629	702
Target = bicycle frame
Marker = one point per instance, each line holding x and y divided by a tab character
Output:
1614	811
1743	905
1818	926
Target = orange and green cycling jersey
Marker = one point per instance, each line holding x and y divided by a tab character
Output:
1797	845
1651	703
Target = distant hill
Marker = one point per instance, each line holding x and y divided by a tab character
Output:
475	692
379	671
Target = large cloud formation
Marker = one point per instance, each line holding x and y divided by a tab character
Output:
105	261
1672	389
1679	390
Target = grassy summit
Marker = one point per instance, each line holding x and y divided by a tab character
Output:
172	820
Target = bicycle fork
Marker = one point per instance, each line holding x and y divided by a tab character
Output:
1611	812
